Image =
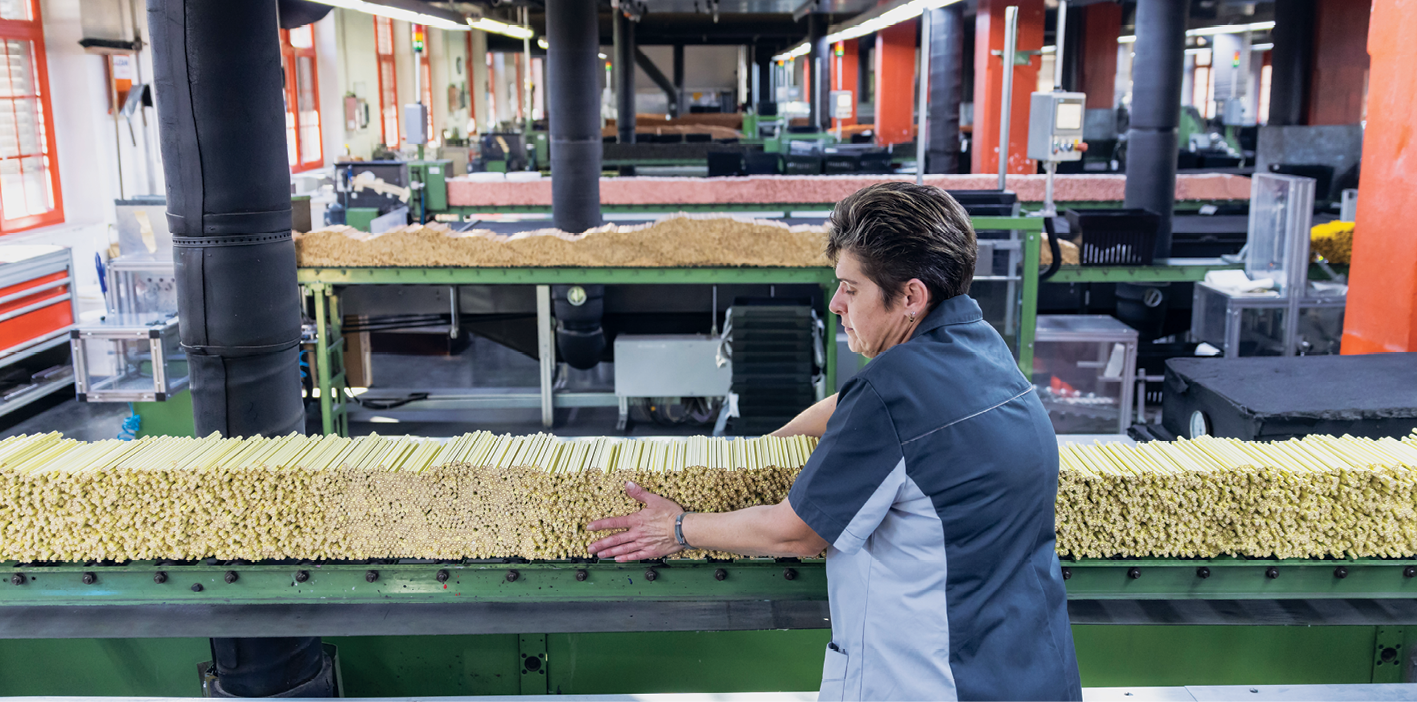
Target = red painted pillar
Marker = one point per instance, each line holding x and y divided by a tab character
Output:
1382	296
844	74
1340	63
1102	24
895	82
988	84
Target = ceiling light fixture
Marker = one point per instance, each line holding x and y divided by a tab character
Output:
493	26
405	10
870	22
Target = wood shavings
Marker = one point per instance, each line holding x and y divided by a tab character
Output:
682	240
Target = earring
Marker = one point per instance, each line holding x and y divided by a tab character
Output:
912	316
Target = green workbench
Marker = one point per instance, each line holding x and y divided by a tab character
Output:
323	284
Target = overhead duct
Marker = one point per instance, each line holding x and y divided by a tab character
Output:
572	62
1156	111
946	88
221	118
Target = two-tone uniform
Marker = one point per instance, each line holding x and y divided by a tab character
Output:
934	485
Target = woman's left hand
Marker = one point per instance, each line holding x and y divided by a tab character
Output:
649	532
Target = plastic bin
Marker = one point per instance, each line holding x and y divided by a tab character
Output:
1125	237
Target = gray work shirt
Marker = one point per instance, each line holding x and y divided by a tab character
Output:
934	484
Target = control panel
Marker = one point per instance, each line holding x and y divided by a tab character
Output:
1055	126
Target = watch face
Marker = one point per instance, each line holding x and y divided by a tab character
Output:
1200	425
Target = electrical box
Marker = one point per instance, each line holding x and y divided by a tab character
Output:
433	174
1055	126
129	358
415	123
843	104
670	365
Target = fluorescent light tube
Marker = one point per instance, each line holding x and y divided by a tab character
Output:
405	10
510	30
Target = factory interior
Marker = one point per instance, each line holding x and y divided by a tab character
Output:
327	326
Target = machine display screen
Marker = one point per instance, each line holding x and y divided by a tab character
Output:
1068	117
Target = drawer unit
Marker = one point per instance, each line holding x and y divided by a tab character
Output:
37	310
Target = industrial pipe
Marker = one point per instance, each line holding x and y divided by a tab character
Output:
624	73
922	111
221	118
1291	61
1006	113
1156	111
817	67
656	75
946	88
572	65
678	69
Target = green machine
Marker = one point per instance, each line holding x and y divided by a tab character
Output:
428	193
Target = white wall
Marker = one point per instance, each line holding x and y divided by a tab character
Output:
87	148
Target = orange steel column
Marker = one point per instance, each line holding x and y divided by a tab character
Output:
895	83
1102	25
1382	293
989	84
844	74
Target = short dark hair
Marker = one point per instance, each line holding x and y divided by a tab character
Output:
902	231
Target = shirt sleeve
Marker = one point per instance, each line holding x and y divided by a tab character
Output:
855	473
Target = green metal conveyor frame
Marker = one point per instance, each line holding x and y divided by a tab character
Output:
323	284
472	627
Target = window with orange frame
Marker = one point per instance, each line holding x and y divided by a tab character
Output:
29	173
388	81
302	98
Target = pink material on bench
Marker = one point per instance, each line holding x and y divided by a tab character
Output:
824	189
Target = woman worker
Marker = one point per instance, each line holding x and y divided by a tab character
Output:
931	490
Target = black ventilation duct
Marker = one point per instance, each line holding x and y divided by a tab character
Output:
572	65
946	88
221	118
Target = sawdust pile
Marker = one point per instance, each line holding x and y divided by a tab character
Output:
678	241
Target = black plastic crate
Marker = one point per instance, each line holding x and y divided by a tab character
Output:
834	163
725	163
762	163
803	165
1125	237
